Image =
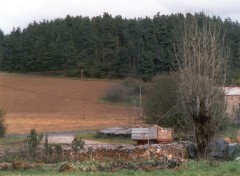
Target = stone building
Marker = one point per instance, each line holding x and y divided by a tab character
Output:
232	97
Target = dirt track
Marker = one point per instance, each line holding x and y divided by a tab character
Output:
57	104
67	138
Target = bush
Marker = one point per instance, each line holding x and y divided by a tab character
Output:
115	94
77	144
73	73
134	85
58	149
160	103
125	92
33	140
2	125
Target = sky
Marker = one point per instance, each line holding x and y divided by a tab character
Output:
19	13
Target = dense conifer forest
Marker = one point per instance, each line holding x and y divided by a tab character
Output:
105	46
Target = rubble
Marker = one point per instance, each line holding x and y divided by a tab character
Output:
177	152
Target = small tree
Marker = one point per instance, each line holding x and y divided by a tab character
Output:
2	125
46	145
201	58
33	140
77	144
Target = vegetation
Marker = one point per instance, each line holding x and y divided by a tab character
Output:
126	92
202	61
160	97
105	46
3	127
33	140
232	131
107	138
77	144
10	139
192	168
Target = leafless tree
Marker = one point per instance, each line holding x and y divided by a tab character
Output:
201	58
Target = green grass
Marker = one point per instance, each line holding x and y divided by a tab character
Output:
232	131
10	139
193	168
107	139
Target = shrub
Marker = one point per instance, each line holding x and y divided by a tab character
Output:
115	94
134	85
77	144
2	125
125	92
58	149
46	145
73	73
160	103
33	140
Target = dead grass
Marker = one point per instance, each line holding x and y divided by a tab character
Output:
57	104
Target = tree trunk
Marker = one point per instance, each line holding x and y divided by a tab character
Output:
204	131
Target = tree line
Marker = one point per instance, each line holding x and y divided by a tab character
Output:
105	46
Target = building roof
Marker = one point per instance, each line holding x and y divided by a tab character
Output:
232	90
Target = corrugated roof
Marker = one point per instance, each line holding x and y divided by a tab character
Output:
232	90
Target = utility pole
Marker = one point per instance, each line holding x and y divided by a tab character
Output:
134	106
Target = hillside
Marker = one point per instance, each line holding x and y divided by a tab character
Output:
106	46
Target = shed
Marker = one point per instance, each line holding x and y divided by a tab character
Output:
232	98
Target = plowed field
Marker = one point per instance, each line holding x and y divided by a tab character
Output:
58	104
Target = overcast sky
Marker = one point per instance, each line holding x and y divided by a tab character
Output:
19	13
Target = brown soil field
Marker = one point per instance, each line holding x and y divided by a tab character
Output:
58	104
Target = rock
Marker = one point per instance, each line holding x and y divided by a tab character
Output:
224	151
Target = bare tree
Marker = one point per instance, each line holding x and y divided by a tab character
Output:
202	60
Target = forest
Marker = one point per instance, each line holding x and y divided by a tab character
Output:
105	46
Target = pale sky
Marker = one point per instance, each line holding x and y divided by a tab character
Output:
19	13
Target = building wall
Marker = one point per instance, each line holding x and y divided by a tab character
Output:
233	104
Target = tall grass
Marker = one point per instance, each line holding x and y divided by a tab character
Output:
193	168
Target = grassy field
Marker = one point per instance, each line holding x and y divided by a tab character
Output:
107	139
58	104
193	168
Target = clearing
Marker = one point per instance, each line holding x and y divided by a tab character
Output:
58	104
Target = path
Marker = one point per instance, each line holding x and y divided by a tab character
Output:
67	139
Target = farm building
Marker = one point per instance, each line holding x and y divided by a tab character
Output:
232	97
